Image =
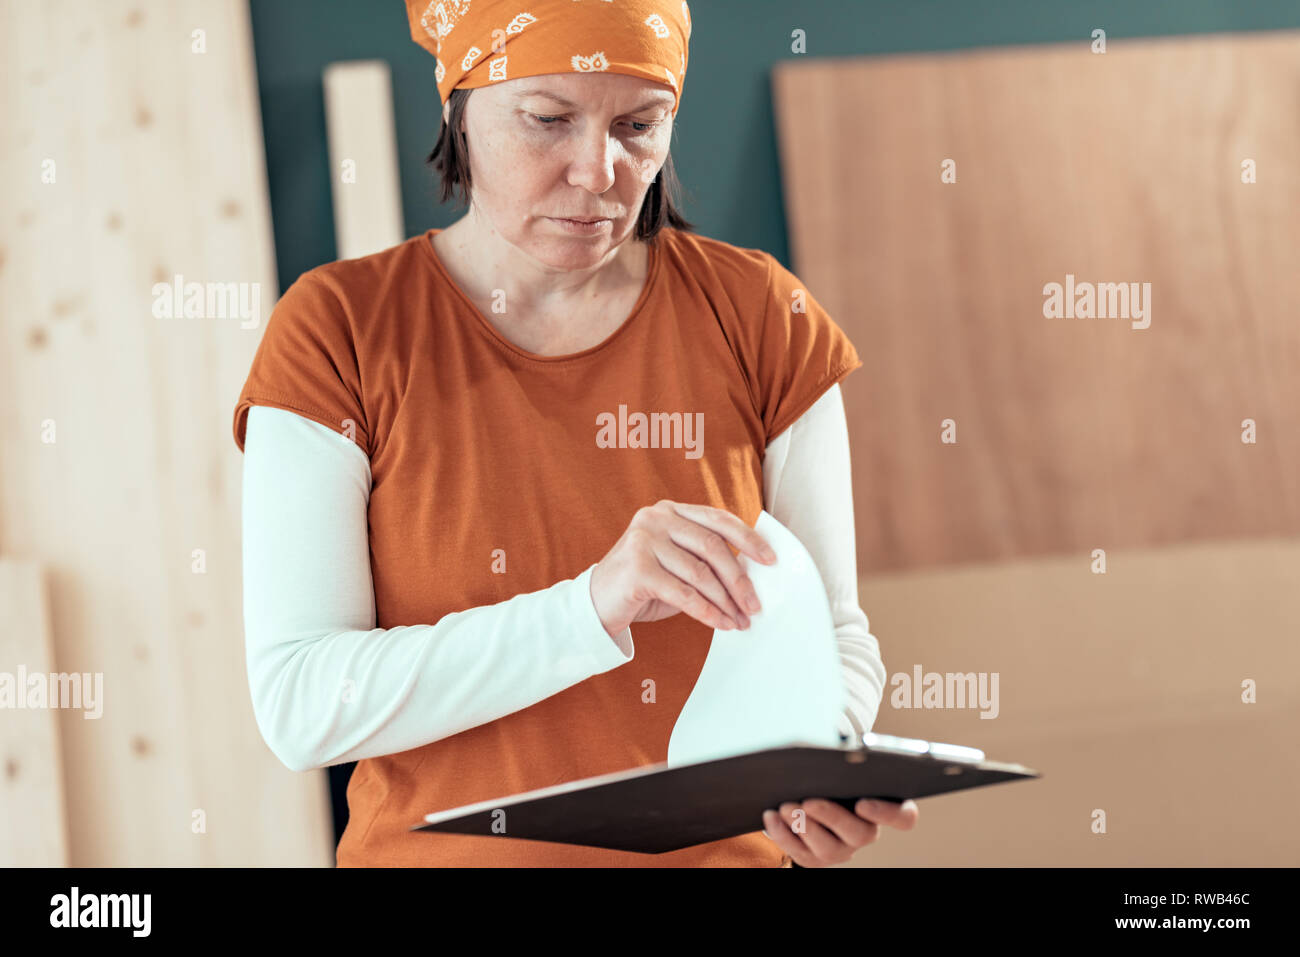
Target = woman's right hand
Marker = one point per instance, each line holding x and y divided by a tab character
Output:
673	558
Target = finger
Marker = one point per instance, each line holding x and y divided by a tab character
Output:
706	545
787	840
672	591
902	816
730	527
696	572
827	847
847	826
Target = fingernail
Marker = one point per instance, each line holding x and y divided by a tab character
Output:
768	553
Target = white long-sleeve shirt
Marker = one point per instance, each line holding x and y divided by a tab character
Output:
309	604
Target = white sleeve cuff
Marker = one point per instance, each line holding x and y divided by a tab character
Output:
606	653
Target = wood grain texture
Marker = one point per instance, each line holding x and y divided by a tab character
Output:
1124	690
117	468
33	831
1072	433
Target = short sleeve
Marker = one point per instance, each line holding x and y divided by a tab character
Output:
307	363
801	351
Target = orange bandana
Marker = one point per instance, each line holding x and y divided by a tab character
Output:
481	42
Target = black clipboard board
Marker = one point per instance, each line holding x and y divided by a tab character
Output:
658	808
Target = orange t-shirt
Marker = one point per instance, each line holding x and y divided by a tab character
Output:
477	445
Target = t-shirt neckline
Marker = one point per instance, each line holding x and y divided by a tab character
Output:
652	273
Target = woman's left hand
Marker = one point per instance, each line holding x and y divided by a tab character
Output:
818	832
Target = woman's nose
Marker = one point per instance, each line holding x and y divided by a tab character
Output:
592	164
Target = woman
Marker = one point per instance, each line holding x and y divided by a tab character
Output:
444	438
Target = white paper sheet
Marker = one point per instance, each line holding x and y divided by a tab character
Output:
779	682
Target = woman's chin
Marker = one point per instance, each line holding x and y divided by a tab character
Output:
568	252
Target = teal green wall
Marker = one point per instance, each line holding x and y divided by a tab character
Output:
725	142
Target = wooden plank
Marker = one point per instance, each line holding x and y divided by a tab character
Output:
1124	690
117	468
32	828
363	157
1117	167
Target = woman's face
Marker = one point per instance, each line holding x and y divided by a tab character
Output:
543	149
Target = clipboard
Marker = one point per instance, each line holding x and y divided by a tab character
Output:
659	808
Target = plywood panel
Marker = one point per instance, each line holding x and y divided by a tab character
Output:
132	156
32	830
363	157
1122	167
1124	689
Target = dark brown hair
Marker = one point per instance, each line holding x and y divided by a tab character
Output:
450	157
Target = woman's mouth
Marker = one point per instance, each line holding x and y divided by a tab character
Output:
581	226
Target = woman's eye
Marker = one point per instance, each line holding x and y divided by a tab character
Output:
552	120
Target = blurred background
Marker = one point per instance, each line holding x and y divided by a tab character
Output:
1096	516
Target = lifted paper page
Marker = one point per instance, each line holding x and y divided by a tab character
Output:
778	682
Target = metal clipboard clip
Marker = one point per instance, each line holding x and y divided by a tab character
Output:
935	749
